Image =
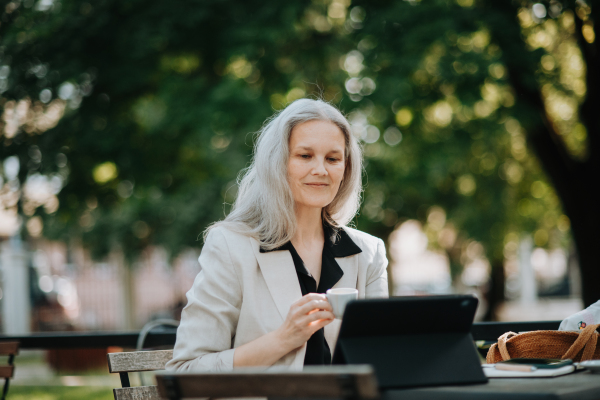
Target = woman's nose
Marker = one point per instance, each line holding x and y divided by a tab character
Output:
319	168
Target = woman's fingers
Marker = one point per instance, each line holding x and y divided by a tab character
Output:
321	323
310	319
306	316
313	305
310	302
310	297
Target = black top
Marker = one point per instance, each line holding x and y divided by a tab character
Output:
337	244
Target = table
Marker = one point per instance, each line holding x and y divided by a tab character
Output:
581	385
356	382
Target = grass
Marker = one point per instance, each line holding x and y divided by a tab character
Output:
59	393
35	380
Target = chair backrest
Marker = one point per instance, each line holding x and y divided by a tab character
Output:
10	349
350	382
137	361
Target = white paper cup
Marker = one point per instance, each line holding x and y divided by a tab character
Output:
338	298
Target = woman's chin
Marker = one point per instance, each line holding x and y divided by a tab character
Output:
313	204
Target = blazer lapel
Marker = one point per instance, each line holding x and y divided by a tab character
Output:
350	267
278	269
344	250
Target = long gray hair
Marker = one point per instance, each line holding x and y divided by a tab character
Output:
264	207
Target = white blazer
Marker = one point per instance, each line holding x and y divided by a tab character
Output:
242	294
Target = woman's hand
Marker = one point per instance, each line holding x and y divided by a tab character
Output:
306	316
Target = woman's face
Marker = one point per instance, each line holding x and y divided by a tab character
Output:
317	163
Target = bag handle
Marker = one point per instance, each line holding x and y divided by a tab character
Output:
586	338
502	344
590	348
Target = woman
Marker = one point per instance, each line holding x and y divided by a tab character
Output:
258	300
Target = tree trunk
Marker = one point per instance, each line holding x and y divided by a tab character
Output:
495	293
574	180
128	314
575	189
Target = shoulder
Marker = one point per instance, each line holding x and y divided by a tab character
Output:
224	233
224	238
226	250
367	243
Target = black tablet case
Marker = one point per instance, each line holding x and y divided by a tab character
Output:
412	341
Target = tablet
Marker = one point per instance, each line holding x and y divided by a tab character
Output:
412	341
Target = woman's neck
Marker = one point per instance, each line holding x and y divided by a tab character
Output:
309	226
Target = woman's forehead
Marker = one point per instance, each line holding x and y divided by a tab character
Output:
313	134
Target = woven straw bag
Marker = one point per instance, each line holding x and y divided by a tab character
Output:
547	344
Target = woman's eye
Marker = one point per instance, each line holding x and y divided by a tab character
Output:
334	159
305	155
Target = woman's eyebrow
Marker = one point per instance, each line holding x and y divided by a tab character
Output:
308	148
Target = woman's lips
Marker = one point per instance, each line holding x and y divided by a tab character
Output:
317	185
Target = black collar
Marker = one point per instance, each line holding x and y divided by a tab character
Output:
337	241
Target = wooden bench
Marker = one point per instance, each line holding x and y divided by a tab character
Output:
137	361
10	349
350	382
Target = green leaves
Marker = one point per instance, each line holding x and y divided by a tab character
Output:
160	104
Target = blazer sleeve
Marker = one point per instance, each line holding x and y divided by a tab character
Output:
208	321
377	278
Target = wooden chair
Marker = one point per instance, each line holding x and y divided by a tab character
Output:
140	361
349	382
137	361
10	349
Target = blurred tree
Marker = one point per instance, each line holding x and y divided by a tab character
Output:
563	123
159	102
136	117
467	85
